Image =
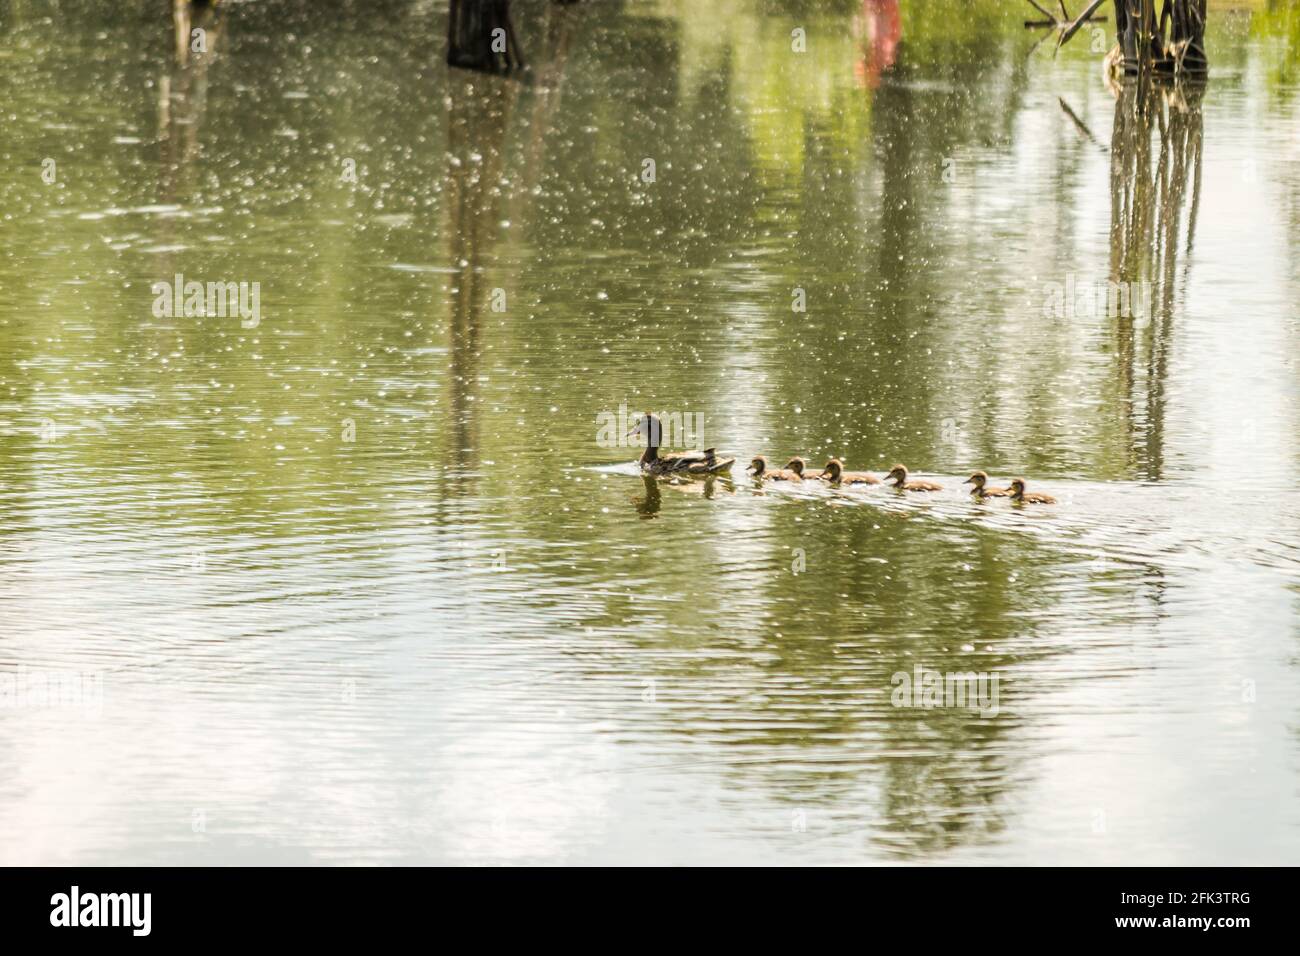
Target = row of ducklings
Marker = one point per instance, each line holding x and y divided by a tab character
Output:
796	469
709	462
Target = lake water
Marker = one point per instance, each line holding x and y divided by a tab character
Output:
357	579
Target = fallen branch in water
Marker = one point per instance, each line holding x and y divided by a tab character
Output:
1081	126
1068	27
1073	28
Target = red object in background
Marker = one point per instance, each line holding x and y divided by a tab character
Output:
884	28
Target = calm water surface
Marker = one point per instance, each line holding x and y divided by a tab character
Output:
471	633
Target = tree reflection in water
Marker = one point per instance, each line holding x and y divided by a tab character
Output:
1155	188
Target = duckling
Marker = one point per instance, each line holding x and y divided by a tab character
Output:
899	474
1018	494
761	472
704	462
980	490
836	475
799	465
711	465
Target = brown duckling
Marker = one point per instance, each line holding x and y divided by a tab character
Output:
899	474
704	462
711	465
836	475
981	490
1018	494
800	465
758	467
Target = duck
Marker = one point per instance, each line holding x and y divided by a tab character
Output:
899	474
799	465
1018	494
704	462
761	472
836	475
981	490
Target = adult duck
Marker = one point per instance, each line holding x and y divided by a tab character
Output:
704	462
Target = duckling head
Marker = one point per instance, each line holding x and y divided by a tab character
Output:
649	428
797	465
977	478
1017	487
834	467
898	473
758	465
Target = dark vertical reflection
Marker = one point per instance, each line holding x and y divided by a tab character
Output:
648	505
478	115
183	89
182	101
1155	180
481	36
548	89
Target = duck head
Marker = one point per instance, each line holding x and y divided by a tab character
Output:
978	479
797	465
757	466
898	473
649	428
834	468
1017	487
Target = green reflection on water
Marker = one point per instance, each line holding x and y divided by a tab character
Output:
390	483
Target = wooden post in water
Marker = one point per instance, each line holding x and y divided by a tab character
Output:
481	37
1172	44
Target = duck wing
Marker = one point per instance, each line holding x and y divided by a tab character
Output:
684	457
704	462
674	462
